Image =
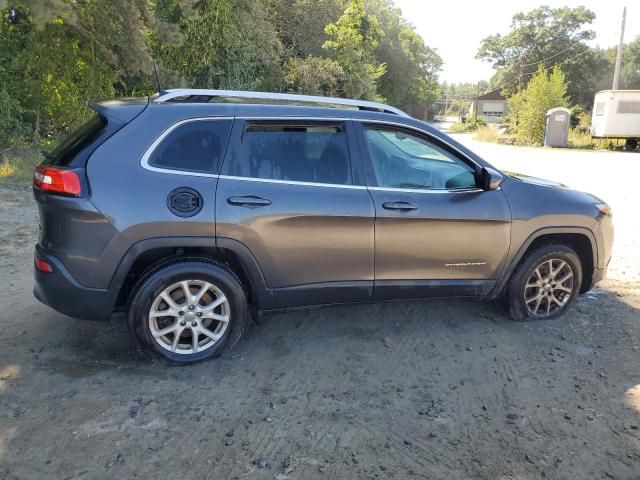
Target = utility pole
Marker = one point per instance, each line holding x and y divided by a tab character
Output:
616	72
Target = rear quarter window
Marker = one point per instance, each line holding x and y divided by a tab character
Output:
75	150
194	146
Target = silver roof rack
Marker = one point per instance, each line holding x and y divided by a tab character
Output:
203	95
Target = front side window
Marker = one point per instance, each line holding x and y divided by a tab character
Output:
403	160
195	146
316	153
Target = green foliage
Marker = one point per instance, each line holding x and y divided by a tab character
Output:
528	108
581	139
230	44
58	56
315	76
351	42
469	126
546	36
410	78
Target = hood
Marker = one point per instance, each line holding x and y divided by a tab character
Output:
535	180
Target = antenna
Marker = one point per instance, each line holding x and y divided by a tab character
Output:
155	70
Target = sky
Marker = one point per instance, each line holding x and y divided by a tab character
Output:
456	28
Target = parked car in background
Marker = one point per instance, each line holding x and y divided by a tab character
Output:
193	208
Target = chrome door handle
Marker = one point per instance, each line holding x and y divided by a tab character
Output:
402	206
248	201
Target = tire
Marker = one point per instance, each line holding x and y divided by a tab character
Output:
218	306
564	260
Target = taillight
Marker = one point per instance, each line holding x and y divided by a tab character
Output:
57	180
42	265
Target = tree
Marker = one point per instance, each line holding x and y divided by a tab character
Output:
315	76
629	68
528	108
301	24
546	36
351	43
229	44
410	77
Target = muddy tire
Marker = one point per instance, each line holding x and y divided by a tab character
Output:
188	310
544	284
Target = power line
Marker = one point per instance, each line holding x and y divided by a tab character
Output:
550	57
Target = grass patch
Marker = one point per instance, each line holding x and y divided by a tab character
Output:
578	139
18	164
486	134
457	128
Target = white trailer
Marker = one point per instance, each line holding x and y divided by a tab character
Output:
616	115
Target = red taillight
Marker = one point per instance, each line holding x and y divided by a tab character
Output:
57	180
42	265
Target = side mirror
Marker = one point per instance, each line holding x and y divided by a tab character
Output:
490	179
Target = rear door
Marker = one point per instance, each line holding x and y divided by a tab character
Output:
436	232
290	192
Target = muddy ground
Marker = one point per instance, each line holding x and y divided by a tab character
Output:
443	389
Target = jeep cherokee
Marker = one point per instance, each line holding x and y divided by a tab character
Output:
193	208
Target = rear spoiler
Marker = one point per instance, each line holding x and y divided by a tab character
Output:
122	110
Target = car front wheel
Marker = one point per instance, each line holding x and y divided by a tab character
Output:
545	283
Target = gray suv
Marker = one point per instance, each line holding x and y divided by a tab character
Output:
192	209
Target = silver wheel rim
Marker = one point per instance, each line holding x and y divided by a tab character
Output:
189	317
548	288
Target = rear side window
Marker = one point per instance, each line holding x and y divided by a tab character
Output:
80	144
316	153
195	146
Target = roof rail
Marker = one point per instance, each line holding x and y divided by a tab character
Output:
202	95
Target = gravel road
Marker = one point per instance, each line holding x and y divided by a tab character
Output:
442	389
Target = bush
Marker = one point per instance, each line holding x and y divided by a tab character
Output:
486	134
19	164
580	139
470	126
528	107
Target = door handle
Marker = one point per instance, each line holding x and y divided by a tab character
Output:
248	201
403	206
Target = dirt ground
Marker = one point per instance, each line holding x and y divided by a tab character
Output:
442	389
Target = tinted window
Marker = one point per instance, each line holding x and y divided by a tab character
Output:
402	160
303	153
83	140
195	146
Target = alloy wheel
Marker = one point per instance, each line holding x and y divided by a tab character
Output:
189	317
548	288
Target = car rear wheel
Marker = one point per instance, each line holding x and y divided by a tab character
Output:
545	283
188	310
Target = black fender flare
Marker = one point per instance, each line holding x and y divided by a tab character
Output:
510	267
263	296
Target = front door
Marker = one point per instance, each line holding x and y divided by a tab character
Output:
436	232
290	193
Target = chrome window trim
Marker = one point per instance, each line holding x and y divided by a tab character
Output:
293	182
426	190
144	161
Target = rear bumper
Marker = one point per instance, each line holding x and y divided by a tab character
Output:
60	291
